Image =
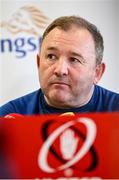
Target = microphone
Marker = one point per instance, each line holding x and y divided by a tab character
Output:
13	115
7	165
67	114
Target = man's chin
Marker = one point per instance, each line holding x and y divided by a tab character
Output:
58	100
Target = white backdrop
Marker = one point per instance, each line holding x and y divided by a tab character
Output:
19	43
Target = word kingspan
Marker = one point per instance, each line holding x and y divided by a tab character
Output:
20	46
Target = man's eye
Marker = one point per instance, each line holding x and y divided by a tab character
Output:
76	60
51	57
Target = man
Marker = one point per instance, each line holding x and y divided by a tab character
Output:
70	66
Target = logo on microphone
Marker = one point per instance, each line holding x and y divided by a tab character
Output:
66	145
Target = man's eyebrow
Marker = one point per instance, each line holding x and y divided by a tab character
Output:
72	53
78	55
52	48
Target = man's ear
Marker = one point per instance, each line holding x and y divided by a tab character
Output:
99	72
38	61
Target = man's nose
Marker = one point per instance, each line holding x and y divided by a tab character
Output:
61	68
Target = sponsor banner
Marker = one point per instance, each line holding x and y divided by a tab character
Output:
22	31
60	147
20	38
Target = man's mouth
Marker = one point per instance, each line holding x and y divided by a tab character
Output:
60	83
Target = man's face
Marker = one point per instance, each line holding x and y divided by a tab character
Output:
67	67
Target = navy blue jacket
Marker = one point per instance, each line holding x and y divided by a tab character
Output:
102	100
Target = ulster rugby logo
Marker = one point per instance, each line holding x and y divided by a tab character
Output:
27	19
69	139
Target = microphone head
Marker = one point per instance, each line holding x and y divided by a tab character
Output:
13	115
